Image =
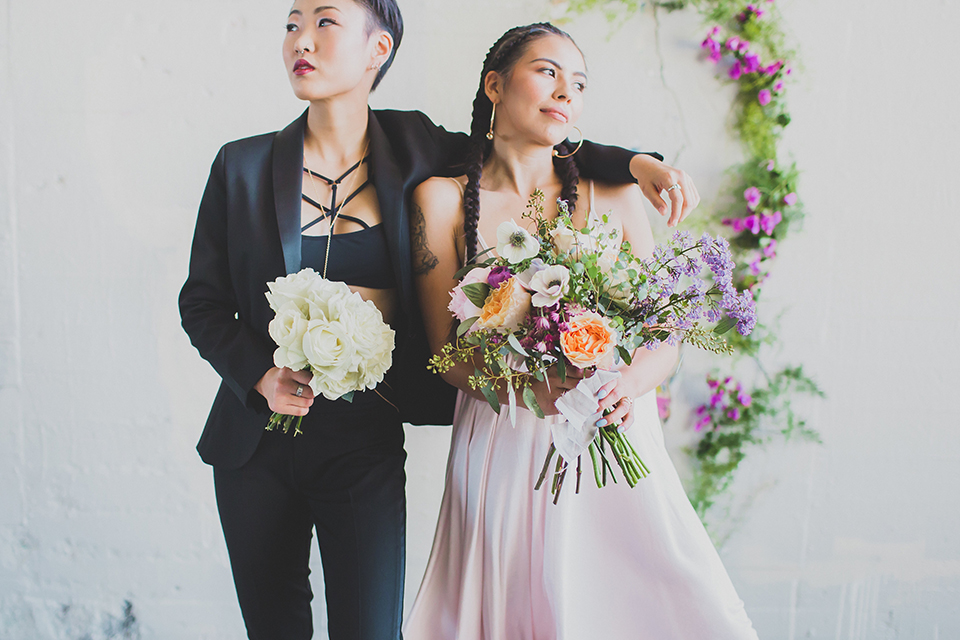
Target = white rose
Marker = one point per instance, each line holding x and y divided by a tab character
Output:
563	238
549	285
374	342
514	243
291	288
288	326
291	357
326	299
332	388
329	348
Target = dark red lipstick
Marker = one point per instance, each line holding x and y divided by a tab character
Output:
302	67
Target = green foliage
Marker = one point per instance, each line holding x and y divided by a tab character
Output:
759	205
737	419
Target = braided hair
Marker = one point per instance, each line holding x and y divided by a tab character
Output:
502	57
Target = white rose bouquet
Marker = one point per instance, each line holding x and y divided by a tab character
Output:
330	330
563	297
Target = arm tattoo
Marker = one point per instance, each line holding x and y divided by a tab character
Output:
423	259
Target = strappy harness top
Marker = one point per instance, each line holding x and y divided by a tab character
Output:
360	258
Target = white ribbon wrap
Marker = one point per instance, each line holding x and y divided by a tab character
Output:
580	409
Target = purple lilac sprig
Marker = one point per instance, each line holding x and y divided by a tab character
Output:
676	313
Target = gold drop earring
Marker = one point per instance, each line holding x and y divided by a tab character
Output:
493	114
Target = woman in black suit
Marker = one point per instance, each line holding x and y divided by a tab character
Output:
340	174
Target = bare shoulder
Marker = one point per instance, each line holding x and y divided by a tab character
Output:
621	199
439	198
624	203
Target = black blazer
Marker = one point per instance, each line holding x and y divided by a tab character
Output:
248	234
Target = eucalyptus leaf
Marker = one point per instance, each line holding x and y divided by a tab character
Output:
562	369
530	399
491	396
625	355
348	396
516	346
465	325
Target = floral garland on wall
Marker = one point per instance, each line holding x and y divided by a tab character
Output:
746	42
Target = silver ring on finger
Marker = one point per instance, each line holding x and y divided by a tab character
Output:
627	401
675	185
299	393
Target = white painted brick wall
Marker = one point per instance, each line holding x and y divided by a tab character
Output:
110	114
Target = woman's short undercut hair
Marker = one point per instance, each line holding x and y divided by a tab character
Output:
384	14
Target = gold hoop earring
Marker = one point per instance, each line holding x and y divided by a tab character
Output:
493	114
556	154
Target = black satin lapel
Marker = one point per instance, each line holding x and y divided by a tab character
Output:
287	188
389	186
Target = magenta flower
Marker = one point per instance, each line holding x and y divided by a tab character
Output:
752	195
764	97
498	275
769	222
716	49
663	407
736	71
751	63
713	384
702	422
770	165
744	398
738	224
771	249
755	265
714	31
790	199
744	45
734	414
779	86
716	399
772	69
752	223
733	43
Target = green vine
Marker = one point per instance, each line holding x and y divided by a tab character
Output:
761	207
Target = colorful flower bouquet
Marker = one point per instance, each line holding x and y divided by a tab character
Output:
330	330
566	297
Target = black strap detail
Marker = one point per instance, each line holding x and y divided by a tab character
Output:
331	211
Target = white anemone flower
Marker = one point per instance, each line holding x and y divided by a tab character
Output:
549	285
514	243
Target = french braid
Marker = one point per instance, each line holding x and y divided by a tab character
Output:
501	57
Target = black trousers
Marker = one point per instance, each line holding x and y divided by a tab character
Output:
343	475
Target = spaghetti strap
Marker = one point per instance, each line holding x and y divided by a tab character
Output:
593	204
458	183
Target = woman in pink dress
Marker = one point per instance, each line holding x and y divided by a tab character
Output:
508	564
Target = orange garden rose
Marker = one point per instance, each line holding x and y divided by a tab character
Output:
506	306
589	340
